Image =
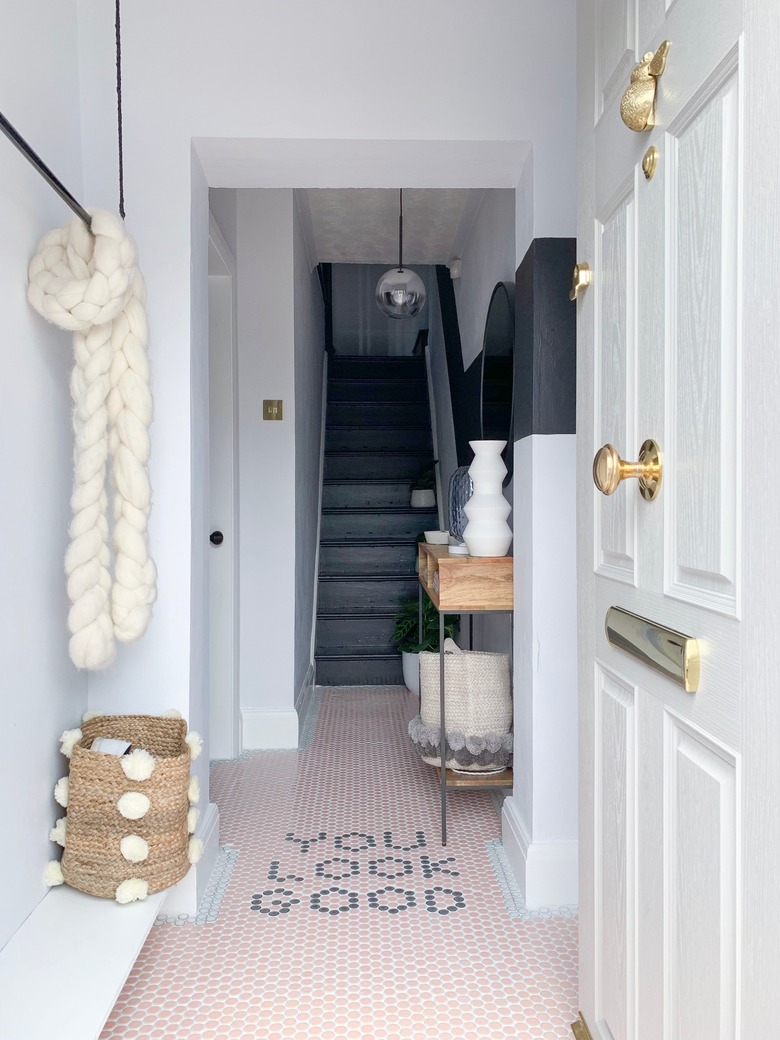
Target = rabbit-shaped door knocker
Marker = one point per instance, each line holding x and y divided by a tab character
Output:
637	108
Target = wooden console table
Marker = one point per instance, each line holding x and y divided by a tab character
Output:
463	585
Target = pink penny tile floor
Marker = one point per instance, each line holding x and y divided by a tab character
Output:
344	917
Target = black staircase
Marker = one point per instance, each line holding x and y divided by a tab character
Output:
378	437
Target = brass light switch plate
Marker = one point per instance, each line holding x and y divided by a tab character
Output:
272	409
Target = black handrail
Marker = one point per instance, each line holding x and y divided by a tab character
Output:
35	160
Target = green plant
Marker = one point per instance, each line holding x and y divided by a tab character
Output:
424	480
406	634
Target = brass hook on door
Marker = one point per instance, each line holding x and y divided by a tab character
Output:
580	280
637	108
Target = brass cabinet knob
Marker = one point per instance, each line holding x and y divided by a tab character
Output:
580	280
609	469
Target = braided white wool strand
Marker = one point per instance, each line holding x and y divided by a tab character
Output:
90	284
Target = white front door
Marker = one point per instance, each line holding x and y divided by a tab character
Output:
669	827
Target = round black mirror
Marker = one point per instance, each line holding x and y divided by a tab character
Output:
496	397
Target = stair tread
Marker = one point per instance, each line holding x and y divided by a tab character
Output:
367	480
357	615
368	577
355	653
382	510
363	542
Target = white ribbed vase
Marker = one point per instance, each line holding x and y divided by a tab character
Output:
487	532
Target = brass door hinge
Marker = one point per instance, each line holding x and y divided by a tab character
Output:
580	1029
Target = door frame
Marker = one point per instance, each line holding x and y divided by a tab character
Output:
224	707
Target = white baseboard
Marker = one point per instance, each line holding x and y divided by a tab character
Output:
263	729
303	700
185	897
62	971
545	871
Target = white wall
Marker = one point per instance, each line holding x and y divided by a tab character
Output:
238	73
488	256
43	693
309	335
540	819
266	452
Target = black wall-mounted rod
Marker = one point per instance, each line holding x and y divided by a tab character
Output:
35	160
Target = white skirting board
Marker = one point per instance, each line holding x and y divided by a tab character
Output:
545	871
185	897
303	700
62	971
265	729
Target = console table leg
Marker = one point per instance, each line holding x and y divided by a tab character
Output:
442	733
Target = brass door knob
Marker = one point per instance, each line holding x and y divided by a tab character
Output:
609	469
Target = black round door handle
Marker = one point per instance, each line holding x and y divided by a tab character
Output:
216	538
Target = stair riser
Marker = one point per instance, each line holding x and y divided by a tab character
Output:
374	466
391	391
376	368
410	414
392	439
389	525
368	559
371	634
366	496
360	673
336	597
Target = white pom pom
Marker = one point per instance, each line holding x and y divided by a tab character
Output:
192	819
57	833
132	889
138	765
133	805
68	740
91	715
194	850
61	792
52	875
193	791
171	713
134	848
196	744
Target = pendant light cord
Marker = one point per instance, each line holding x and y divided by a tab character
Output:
400	228
118	29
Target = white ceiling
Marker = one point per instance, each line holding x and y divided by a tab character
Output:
360	225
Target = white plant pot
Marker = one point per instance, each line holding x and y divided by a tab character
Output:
411	667
487	533
424	498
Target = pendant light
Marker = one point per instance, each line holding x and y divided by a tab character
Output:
400	293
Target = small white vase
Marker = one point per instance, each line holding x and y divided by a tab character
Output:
423	498
487	533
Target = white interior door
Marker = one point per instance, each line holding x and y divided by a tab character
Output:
223	506
666	857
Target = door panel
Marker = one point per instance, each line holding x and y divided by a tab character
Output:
615	859
615	48
700	879
703	350
615	374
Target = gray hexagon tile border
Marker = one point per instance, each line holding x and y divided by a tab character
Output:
513	899
211	902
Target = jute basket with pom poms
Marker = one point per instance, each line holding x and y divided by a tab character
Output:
127	834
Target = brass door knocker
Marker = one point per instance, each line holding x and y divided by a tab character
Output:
637	108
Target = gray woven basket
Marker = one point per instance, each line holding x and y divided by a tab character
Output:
478	705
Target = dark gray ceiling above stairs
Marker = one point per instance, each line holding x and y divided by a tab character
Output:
378	437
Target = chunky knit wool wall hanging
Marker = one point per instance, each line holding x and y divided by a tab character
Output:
89	283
